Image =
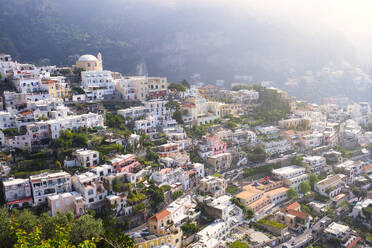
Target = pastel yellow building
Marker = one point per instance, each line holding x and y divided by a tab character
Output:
56	89
173	239
89	62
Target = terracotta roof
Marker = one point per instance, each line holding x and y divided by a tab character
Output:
191	172
292	206
246	194
277	191
27	112
48	82
188	105
298	214
165	171
353	243
259	201
160	215
290	132
367	168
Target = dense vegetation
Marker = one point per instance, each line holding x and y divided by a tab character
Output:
272	106
25	229
260	171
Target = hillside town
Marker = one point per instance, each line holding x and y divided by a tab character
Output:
183	164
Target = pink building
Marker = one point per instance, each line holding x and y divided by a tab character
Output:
168	150
125	163
211	145
66	201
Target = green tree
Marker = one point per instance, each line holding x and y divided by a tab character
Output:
151	156
26	220
257	154
173	105
85	228
298	160
177	194
185	84
156	195
359	192
292	194
189	228
116	239
7	237
313	178
177	87
177	115
61	238
238	244
304	187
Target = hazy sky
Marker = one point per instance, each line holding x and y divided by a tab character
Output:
353	18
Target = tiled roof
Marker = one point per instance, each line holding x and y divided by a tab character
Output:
294	205
160	215
277	191
246	194
298	214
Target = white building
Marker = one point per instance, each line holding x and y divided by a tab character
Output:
87	158
6	120
146	125
200	169
315	164
179	209
313	140
28	83
91	188
17	192
277	146
120	205
133	112
331	186
98	84
292	176
212	185
156	107
102	171
74	122
351	168
171	176
48	184
6	66
288	172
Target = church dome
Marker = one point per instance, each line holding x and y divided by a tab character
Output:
87	58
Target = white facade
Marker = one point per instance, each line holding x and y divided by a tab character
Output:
133	112
179	209
315	163
74	122
90	187
171	176
288	172
17	190
6	120
48	184
6	66
277	146
87	158
156	107
331	186
97	84
102	171
313	140
200	169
